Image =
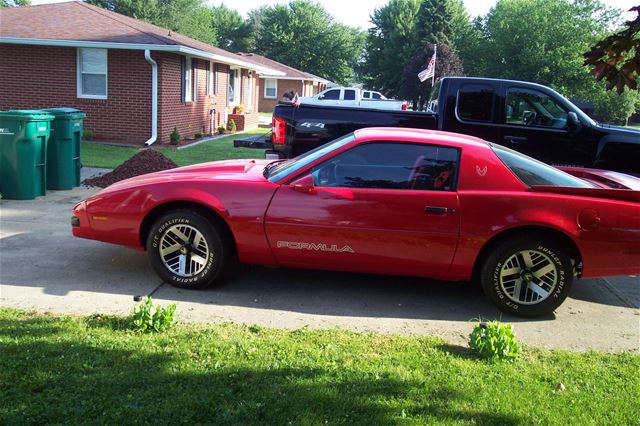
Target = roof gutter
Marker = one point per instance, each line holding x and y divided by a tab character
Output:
154	98
173	48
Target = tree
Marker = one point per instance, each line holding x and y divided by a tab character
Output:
14	3
232	32
303	35
396	44
616	59
188	17
447	64
616	108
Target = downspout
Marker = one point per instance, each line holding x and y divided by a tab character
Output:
154	98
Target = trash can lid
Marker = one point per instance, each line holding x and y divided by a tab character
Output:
27	114
65	112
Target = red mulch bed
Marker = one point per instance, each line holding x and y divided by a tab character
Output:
146	161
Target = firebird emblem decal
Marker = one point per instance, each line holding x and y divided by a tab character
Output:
294	245
481	172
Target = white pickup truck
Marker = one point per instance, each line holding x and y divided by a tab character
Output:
352	97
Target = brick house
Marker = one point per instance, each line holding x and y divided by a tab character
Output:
136	81
272	86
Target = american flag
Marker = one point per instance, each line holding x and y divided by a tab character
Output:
430	71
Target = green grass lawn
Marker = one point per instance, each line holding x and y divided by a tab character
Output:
93	370
110	156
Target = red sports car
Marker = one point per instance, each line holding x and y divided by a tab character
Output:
386	201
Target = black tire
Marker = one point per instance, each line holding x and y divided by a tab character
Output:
518	272
199	266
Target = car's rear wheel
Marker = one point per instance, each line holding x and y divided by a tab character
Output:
527	276
186	250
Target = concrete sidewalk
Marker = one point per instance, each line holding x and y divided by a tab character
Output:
43	267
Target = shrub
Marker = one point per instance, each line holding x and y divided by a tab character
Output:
231	126
221	130
87	134
146	317
239	109
495	340
175	136
198	135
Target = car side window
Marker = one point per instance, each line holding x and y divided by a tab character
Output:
376	95
528	107
332	95
365	95
391	165
349	95
475	102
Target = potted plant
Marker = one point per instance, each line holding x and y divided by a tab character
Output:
238	109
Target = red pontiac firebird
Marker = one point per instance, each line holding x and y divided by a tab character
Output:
385	201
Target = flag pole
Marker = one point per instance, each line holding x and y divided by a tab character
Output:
435	59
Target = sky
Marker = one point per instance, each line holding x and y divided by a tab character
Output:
356	13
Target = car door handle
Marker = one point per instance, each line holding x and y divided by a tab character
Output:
515	139
439	211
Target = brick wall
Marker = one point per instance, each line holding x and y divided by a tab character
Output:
33	77
267	105
188	117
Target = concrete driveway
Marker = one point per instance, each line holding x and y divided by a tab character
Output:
43	267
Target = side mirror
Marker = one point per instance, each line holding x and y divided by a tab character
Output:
304	184
573	122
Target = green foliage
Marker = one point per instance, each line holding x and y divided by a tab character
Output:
616	59
397	45
174	138
303	35
231	126
495	340
189	17
87	134
232	32
147	318
198	135
614	108
221	130
14	3
94	371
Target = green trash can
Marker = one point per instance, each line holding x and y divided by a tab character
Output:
23	153
63	152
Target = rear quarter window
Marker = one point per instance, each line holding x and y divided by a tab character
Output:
475	102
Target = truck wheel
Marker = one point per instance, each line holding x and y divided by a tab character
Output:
527	277
186	250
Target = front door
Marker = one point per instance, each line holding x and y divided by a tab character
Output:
381	207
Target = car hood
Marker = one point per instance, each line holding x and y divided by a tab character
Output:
246	170
620	131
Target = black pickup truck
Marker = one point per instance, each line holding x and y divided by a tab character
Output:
526	117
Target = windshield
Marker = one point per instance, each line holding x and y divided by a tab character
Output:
281	169
533	172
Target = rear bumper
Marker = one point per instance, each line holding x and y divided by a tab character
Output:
259	142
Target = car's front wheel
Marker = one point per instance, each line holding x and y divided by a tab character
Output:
185	249
527	276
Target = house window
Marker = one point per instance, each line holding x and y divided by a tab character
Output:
92	73
235	87
270	88
209	78
194	65
216	78
250	93
187	86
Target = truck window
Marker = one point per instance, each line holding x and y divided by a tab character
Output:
332	95
475	102
528	107
365	95
349	95
391	165
376	95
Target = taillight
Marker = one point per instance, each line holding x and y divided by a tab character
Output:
404	106
278	127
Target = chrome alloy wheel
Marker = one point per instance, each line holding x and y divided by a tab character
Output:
184	250
528	277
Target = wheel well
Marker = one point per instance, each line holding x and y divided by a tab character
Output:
208	213
523	232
